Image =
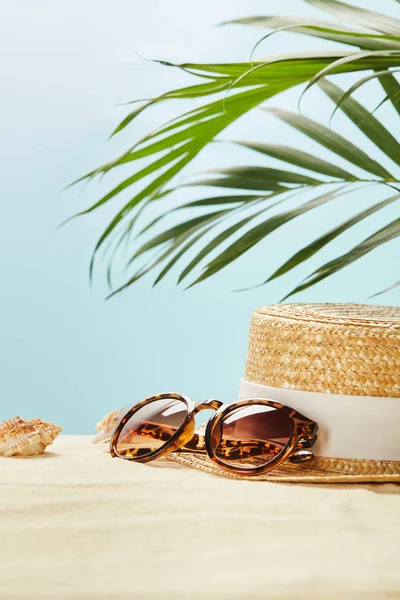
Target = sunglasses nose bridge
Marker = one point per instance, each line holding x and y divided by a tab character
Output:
209	404
185	437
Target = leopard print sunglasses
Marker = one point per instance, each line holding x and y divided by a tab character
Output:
250	436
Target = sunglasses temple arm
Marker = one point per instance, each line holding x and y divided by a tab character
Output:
230	448
195	444
235	449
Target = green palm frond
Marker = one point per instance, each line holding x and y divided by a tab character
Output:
394	285
225	226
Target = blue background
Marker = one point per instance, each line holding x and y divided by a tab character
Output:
66	354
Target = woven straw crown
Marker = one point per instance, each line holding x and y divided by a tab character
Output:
335	348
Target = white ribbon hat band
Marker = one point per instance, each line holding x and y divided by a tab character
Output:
362	427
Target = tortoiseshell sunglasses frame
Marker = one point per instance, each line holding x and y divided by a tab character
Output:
185	439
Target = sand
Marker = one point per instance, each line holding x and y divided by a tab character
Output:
75	523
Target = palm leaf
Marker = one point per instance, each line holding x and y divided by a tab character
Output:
328	237
299	158
361	16
367	123
360	83
259	232
336	65
384	235
391	287
332	141
320	29
234	90
226	234
256	178
392	89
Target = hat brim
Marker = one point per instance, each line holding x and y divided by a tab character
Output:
319	470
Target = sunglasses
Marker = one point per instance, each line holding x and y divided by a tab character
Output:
250	436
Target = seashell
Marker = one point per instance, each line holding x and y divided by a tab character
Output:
106	426
26	438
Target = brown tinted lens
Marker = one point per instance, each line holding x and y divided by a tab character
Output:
150	427
251	436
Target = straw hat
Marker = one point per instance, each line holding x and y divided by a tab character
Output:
339	364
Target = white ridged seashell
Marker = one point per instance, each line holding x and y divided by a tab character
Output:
26	438
106	426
